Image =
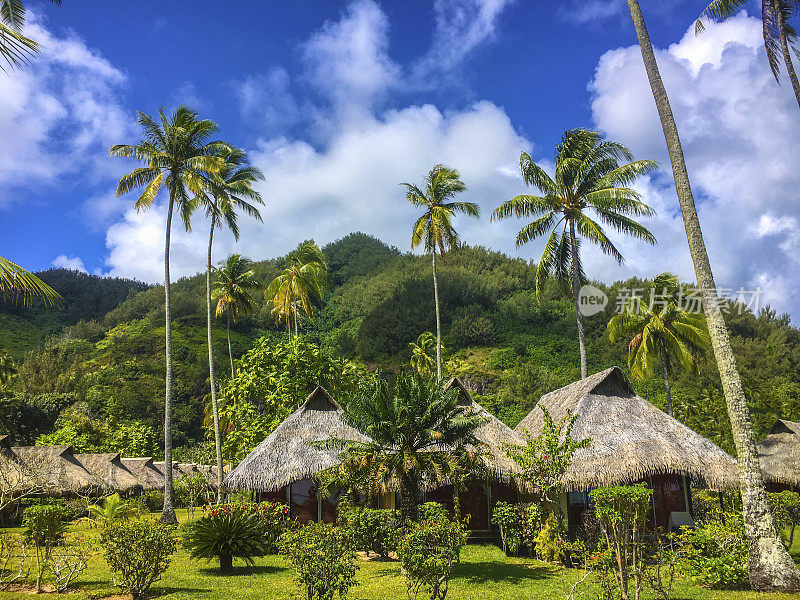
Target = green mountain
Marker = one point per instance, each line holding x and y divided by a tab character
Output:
96	365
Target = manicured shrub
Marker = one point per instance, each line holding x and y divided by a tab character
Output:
372	530
44	528
226	533
428	552
716	552
138	552
323	557
432	511
509	521
549	547
531	520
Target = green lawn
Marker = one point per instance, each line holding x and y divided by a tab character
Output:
484	574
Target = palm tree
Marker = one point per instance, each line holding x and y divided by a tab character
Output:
17	284
232	288
14	46
232	189
421	360
779	35
770	565
178	156
434	229
417	432
302	282
587	176
669	338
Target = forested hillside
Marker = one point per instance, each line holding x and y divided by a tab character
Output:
91	372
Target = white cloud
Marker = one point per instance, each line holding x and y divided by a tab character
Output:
267	100
590	12
73	263
741	136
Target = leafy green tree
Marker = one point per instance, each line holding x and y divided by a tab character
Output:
434	229
417	430
179	157
588	177
669	338
302	282
779	35
15	48
233	287
17	284
771	567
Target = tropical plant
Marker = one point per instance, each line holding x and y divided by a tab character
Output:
421	360
667	337
303	281
8	369
235	282
178	156
770	566
779	35
715	551
44	528
17	284
372	529
15	48
588	177
508	520
428	552
226	534
112	509
232	189
417	430
434	229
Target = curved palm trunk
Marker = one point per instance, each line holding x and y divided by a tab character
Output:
168	513
438	321
230	351
787	55
770	566
211	377
576	286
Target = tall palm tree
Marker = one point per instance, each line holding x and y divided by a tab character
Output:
15	47
421	360
302	282
417	430
233	287
779	35
588	176
232	189
17	284
178	156
667	339
770	565
434	229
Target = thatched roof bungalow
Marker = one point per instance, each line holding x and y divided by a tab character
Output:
145	472
108	468
54	470
779	454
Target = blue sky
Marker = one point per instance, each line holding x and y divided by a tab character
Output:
339	101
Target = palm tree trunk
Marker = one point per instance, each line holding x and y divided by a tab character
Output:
211	377
168	513
294	311
576	286
438	321
666	388
230	351
787	55
770	566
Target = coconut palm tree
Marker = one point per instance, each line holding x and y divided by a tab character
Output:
17	284
421	360
177	155
233	288
15	48
588	177
779	35
770	565
667	339
232	189
302	282
434	229
418	432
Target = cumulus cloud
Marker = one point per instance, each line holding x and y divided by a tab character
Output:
741	136
73	263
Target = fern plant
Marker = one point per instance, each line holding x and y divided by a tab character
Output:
225	535
113	508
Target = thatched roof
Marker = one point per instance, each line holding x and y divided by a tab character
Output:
58	469
630	438
779	453
145	472
494	434
289	454
108	467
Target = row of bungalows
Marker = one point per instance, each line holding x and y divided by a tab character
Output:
58	471
779	455
631	441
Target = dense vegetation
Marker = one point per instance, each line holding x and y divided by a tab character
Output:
91	372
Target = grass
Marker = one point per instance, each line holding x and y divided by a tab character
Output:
484	574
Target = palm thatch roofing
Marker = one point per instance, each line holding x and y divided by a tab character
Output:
289	453
145	472
779	453
630	438
108	467
57	470
494	435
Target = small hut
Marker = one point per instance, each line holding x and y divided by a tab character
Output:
284	465
631	441
108	468
145	472
779	454
55	471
